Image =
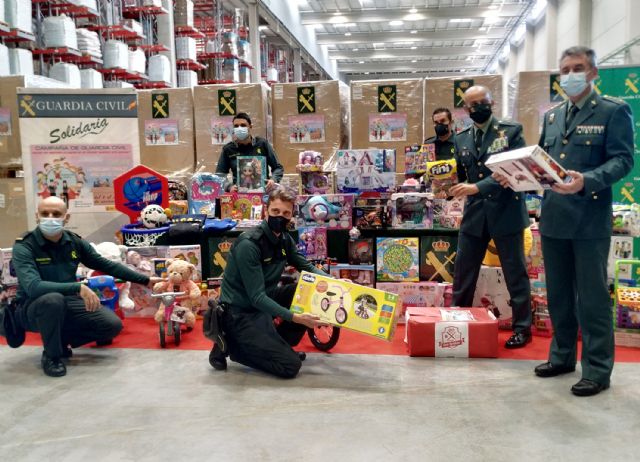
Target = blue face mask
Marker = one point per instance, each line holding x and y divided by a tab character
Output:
242	133
51	226
573	83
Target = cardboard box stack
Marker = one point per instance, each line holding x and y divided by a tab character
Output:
447	92
387	114
535	95
165	124
215	106
309	116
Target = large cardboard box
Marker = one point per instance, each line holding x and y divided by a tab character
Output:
447	92
215	106
309	116
345	304
13	210
535	95
10	147
387	114
165	126
457	333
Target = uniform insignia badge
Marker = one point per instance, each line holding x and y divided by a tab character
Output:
552	117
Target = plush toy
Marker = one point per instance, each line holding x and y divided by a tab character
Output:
135	261
115	252
179	274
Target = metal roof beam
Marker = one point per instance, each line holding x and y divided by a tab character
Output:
420	66
420	52
404	36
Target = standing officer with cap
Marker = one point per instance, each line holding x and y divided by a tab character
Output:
251	298
491	212
49	299
592	137
444	138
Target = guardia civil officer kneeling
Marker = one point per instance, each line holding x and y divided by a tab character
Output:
251	298
49	300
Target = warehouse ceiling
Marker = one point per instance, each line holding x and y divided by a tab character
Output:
407	38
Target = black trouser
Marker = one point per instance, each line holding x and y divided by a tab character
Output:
471	252
64	320
256	342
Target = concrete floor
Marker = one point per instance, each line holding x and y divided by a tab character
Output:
153	405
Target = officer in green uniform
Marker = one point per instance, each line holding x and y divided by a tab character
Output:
592	137
444	138
251	297
245	144
50	301
491	212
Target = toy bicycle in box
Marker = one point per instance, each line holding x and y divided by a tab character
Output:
345	304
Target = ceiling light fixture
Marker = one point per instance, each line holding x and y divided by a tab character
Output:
396	22
414	48
413	10
366	73
483	29
355	49
347	34
414	31
360	62
414	60
454	20
263	27
338	20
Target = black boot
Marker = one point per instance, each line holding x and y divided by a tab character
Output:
218	359
53	367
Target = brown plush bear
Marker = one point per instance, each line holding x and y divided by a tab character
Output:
179	273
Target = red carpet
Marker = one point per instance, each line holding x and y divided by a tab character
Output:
143	333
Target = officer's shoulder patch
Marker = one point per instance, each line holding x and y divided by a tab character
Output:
613	99
464	130
509	123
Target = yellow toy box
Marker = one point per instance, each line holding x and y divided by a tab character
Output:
348	305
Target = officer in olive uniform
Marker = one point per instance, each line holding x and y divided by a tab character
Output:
491	212
444	138
592	137
251	298
50	301
244	144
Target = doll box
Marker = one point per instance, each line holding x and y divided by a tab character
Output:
411	210
333	211
8	273
251	173
452	333
397	259
312	243
364	275
347	305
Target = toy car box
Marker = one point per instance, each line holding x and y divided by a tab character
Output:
333	211
452	332
347	305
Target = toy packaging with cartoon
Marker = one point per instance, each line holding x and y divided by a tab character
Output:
416	158
411	210
361	170
420	293
361	251
397	259
347	305
528	169
371	211
204	189
447	213
312	243
189	253
8	273
333	211
246	208
358	274
310	161
316	182
252	174
437	257
492	294
442	175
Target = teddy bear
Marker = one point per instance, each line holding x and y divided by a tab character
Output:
115	252
179	273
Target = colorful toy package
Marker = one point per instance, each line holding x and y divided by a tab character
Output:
252	174
361	251
291	182
360	170
437	257
371	211
415	294
359	274
443	174
398	259
189	253
205	188
310	161
347	305
333	211
416	158
246	208
316	182
8	273
411	210
312	243
145	260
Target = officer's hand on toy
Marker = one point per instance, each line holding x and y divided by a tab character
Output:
153	281
504	182
309	320
464	189
91	300
575	185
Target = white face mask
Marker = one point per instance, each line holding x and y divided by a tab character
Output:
51	226
241	133
574	83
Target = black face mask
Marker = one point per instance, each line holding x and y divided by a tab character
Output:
278	224
481	113
442	129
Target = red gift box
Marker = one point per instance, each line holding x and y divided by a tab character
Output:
452	332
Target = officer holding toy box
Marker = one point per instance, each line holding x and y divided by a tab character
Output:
250	297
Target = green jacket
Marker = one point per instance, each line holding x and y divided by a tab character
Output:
444	149
43	266
599	144
504	210
255	264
